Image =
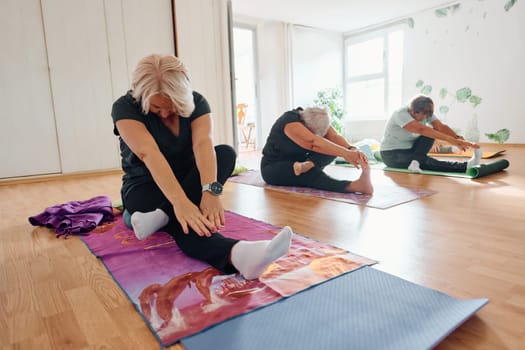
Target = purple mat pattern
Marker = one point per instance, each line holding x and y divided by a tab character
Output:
178	296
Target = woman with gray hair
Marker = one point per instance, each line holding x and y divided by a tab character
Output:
410	133
173	175
301	144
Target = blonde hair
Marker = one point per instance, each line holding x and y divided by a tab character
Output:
316	119
166	75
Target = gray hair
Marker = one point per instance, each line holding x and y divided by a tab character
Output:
421	103
166	75
316	119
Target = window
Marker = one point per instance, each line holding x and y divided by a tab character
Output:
373	81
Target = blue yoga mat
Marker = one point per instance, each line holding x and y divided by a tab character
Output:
364	309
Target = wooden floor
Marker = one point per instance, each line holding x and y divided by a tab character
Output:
467	240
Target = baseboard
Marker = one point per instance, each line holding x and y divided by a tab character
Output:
50	177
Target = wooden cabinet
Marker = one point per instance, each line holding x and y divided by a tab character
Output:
63	63
28	139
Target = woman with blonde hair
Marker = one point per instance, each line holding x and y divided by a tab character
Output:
173	174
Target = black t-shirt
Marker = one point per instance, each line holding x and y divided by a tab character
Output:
279	146
176	149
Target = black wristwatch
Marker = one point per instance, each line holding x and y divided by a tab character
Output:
215	188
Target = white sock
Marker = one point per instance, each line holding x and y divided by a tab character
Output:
252	257
414	166
144	224
476	158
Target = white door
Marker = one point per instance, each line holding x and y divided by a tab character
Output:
28	139
77	46
93	46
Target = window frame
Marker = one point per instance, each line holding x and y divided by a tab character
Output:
363	36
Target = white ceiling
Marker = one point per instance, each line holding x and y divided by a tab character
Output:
337	15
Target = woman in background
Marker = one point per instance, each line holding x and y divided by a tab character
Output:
410	134
301	144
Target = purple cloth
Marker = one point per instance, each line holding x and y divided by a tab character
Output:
75	217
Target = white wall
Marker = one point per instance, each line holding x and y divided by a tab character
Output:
317	57
480	46
128	42
203	46
273	74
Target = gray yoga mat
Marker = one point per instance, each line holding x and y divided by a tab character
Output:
364	309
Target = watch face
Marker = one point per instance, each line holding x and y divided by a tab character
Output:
216	188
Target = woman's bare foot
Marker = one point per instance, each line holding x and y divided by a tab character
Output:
302	167
363	184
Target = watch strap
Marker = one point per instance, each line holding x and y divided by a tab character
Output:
213	187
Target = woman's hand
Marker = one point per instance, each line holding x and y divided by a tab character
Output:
464	145
211	207
188	214
357	158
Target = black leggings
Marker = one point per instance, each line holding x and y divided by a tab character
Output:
401	158
280	173
214	250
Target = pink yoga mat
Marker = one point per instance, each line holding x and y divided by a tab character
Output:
178	296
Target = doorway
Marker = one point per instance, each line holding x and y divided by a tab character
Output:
247	109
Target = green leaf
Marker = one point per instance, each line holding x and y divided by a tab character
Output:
419	83
443	109
441	12
499	136
410	22
509	4
332	99
475	100
427	89
463	94
443	93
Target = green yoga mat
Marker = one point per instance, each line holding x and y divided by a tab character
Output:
488	168
472	173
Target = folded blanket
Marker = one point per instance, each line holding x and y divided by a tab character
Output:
75	217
